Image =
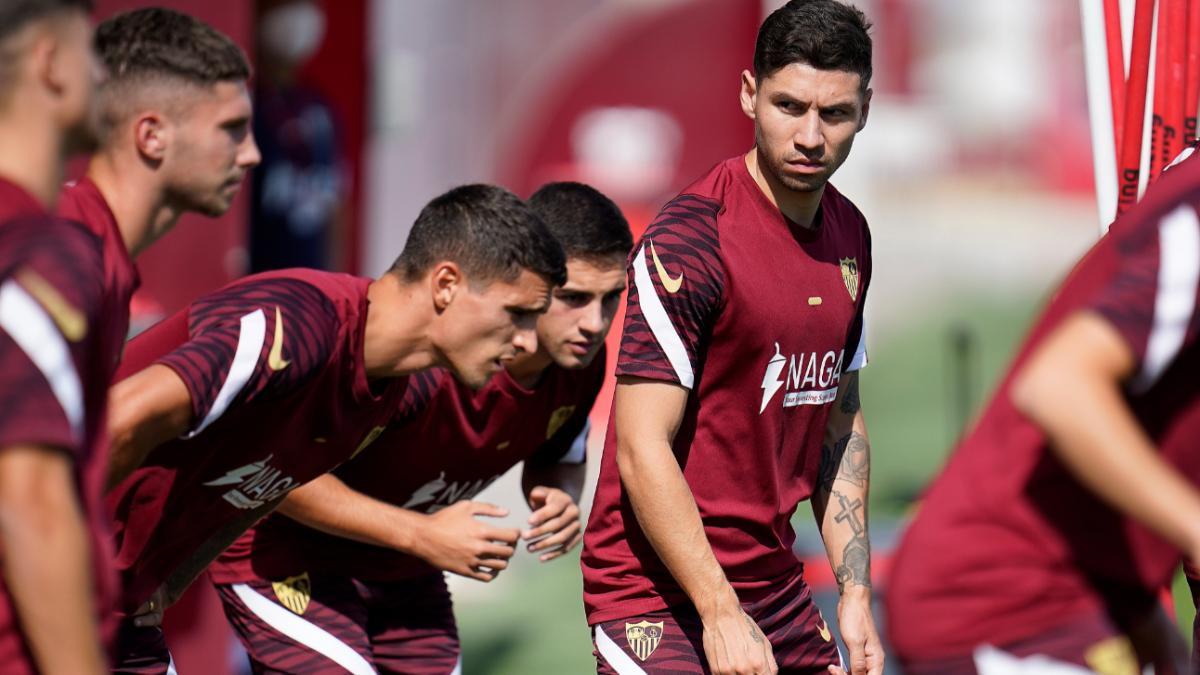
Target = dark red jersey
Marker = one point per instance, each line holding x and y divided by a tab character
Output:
451	451
1007	543
274	365
54	368
759	319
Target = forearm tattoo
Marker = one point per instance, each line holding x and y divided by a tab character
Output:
849	459
856	556
850	401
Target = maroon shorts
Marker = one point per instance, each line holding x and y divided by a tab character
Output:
331	624
1091	642
671	640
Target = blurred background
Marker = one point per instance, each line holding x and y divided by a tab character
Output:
974	170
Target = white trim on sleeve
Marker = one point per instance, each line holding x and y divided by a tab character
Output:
31	327
252	336
860	353
660	323
1175	300
578	452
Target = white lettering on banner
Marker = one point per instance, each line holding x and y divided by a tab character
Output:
810	378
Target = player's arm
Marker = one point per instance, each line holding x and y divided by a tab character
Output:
1072	388
452	539
648	414
839	504
145	410
47	559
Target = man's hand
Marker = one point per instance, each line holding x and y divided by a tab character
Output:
735	645
554	526
454	540
859	633
150	614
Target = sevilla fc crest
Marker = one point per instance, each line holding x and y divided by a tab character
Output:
294	592
643	637
850	276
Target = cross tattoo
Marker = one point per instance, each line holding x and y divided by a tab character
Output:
849	513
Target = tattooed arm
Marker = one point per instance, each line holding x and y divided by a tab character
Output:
840	506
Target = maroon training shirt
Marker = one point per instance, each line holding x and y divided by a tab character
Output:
456	447
274	366
54	368
1007	543
759	318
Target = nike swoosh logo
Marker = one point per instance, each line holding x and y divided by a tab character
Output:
672	285
823	629
275	359
70	321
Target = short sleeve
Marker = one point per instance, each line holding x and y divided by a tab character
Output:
264	337
676	291
567	440
1151	298
51	291
856	337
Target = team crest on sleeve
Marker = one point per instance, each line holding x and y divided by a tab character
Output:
559	418
850	276
643	637
294	592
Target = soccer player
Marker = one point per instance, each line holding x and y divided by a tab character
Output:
174	118
377	598
275	379
1046	539
737	394
56	578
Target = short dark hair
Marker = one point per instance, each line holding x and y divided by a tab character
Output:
586	223
16	14
488	231
162	42
825	34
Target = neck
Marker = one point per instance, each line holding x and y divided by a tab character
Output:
32	157
137	200
527	369
397	340
799	207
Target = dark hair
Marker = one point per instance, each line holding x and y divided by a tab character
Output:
825	34
488	231
586	223
162	42
16	14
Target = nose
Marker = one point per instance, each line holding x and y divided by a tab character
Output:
592	321
525	340
808	134
249	156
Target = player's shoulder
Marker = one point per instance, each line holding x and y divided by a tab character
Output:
302	292
840	207
47	242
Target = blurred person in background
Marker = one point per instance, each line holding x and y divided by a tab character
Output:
58	584
173	122
263	385
737	394
361	552
1043	545
298	194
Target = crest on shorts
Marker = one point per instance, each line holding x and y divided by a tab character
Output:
558	419
1112	656
294	592
850	276
643	637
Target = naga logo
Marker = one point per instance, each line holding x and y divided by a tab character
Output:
810	378
437	494
257	484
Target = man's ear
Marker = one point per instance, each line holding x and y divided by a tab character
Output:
749	93
445	282
151	135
